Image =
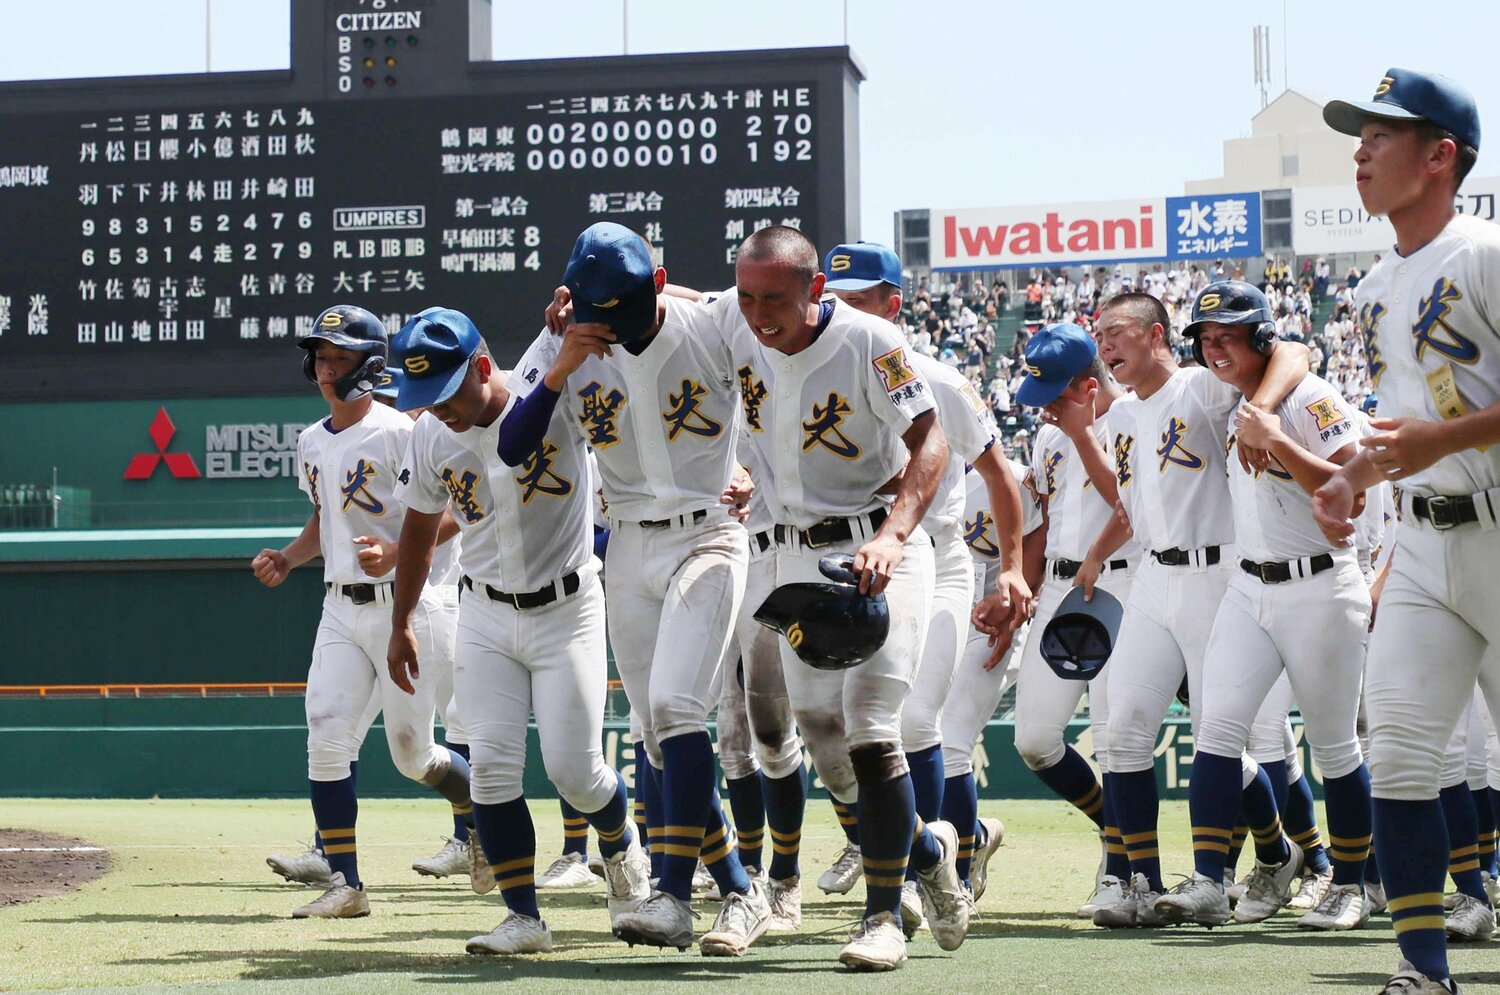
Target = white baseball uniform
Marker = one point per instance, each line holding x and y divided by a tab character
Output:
970	430
531	621
1303	608
664	427
1432	329
350	477
1076	514
976	692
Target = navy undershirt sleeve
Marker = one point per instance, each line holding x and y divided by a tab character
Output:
522	432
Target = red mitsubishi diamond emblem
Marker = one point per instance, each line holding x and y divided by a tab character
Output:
143	465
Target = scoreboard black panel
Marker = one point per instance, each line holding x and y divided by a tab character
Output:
173	236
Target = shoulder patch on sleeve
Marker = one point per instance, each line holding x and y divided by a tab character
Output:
975	401
894	368
1325	411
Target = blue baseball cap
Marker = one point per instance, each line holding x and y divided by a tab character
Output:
388	382
1054	356
1406	95
433	350
860	266
612	279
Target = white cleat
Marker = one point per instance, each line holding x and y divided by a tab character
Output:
1314	888
1136	910
1492	888
1409	981
1471	921
979	867
1270	888
627	875
944	900
877	945
844	874
453	858
596	865
1235	890
308	867
571	870
481	876
340	901
786	904
1375	897
518	934
662	920
1343	907
1109	892
742	919
912	918
702	880
1197	899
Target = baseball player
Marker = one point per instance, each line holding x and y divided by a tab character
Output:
531	628
1470	917
1292	607
841	409
658	402
348	465
1430	311
867	277
983	674
1075	480
1169	456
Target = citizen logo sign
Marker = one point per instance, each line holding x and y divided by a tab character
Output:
370	218
392	20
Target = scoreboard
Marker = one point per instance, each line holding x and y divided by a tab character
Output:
173	236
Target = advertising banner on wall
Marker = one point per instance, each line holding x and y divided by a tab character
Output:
1330	220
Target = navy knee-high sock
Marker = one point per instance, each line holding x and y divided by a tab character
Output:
612	822
1259	806
848	814
961	808
1214	802
786	802
575	829
1348	802
927	781
747	802
1411	844
1487	834
887	821
462	814
719	858
335	808
687	789
1276	774
1138	804
508	837
1072	779
1300	820
1463	840
655	817
1116	864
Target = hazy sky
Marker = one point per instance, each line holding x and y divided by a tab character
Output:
967	103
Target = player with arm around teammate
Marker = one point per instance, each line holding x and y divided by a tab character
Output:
348	464
1292	605
1430	312
531	619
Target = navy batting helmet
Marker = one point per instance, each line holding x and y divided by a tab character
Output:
1077	642
357	330
830	626
1232	302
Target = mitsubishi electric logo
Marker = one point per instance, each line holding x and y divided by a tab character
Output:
143	465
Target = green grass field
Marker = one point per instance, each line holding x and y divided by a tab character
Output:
189	902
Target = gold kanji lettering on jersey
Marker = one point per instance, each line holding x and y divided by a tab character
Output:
823	430
600	409
685	413
538	476
1172	449
461	490
356	489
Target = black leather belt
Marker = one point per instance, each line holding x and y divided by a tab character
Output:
360	594
533	599
1068	569
828	531
664	523
761	540
1280	573
1175	557
1444	513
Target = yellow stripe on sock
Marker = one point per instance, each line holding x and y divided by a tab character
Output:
612	835
1208	846
883	863
1134	838
339	848
696	832
463	809
1349	842
1150	854
508	866
1308	839
1463	851
714	837
884	881
337	834
518	881
1468	865
1212	831
676	849
655	832
717	854
1405	902
1085	798
1418	922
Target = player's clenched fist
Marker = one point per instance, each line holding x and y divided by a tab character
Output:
401	657
1333	507
377	558
270	567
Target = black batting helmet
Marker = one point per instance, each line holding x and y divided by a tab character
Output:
830	626
1232	302
1078	640
357	330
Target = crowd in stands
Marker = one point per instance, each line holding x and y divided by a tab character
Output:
959	321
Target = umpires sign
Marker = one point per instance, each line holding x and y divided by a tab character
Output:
182	231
